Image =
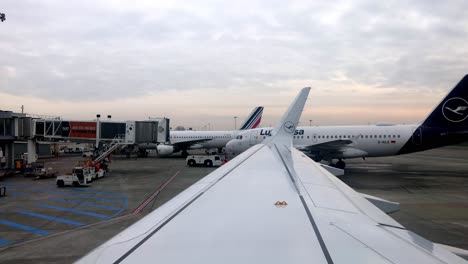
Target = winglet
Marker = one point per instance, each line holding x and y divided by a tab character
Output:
285	128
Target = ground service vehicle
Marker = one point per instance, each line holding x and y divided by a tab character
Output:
206	160
81	176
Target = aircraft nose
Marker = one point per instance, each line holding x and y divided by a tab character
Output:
231	149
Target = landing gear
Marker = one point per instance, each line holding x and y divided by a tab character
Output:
340	164
184	153
142	153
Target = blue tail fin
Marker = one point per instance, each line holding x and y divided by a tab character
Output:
452	112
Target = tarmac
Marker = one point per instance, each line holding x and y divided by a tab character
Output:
40	223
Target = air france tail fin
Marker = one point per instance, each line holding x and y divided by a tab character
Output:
253	120
452	112
285	128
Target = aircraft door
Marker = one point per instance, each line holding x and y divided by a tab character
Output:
253	138
417	136
314	138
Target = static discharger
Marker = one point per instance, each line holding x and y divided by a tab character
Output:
281	204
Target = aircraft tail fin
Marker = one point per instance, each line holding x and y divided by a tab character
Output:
253	120
285	128
452	112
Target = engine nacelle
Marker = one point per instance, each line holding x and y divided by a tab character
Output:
350	153
164	150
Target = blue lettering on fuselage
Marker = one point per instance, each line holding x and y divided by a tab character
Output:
264	132
299	132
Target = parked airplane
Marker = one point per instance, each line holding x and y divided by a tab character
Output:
446	125
185	140
271	204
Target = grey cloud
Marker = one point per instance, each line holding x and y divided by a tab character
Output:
82	50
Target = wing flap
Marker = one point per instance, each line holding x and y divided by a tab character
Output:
329	198
313	173
387	246
362	234
384	205
429	247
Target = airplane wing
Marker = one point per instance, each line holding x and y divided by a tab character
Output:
330	145
334	148
271	204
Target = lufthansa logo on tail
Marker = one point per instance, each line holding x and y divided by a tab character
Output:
455	109
289	127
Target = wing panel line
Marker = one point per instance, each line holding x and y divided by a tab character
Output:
124	256
309	214
415	245
317	232
364	244
339	188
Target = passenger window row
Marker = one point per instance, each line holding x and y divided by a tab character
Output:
348	136
200	137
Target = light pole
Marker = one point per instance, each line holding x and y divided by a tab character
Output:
235	123
98	130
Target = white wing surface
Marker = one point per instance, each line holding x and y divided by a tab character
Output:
271	204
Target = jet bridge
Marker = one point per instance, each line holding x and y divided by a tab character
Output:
24	127
129	132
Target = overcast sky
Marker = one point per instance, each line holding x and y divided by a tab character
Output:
200	62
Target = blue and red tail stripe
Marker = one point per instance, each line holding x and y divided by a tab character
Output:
254	119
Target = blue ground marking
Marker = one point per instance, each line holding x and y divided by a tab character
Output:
124	206
72	210
97	192
48	217
118	200
23	227
4	242
122	200
14	193
108	207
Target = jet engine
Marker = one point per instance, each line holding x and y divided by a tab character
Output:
164	150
